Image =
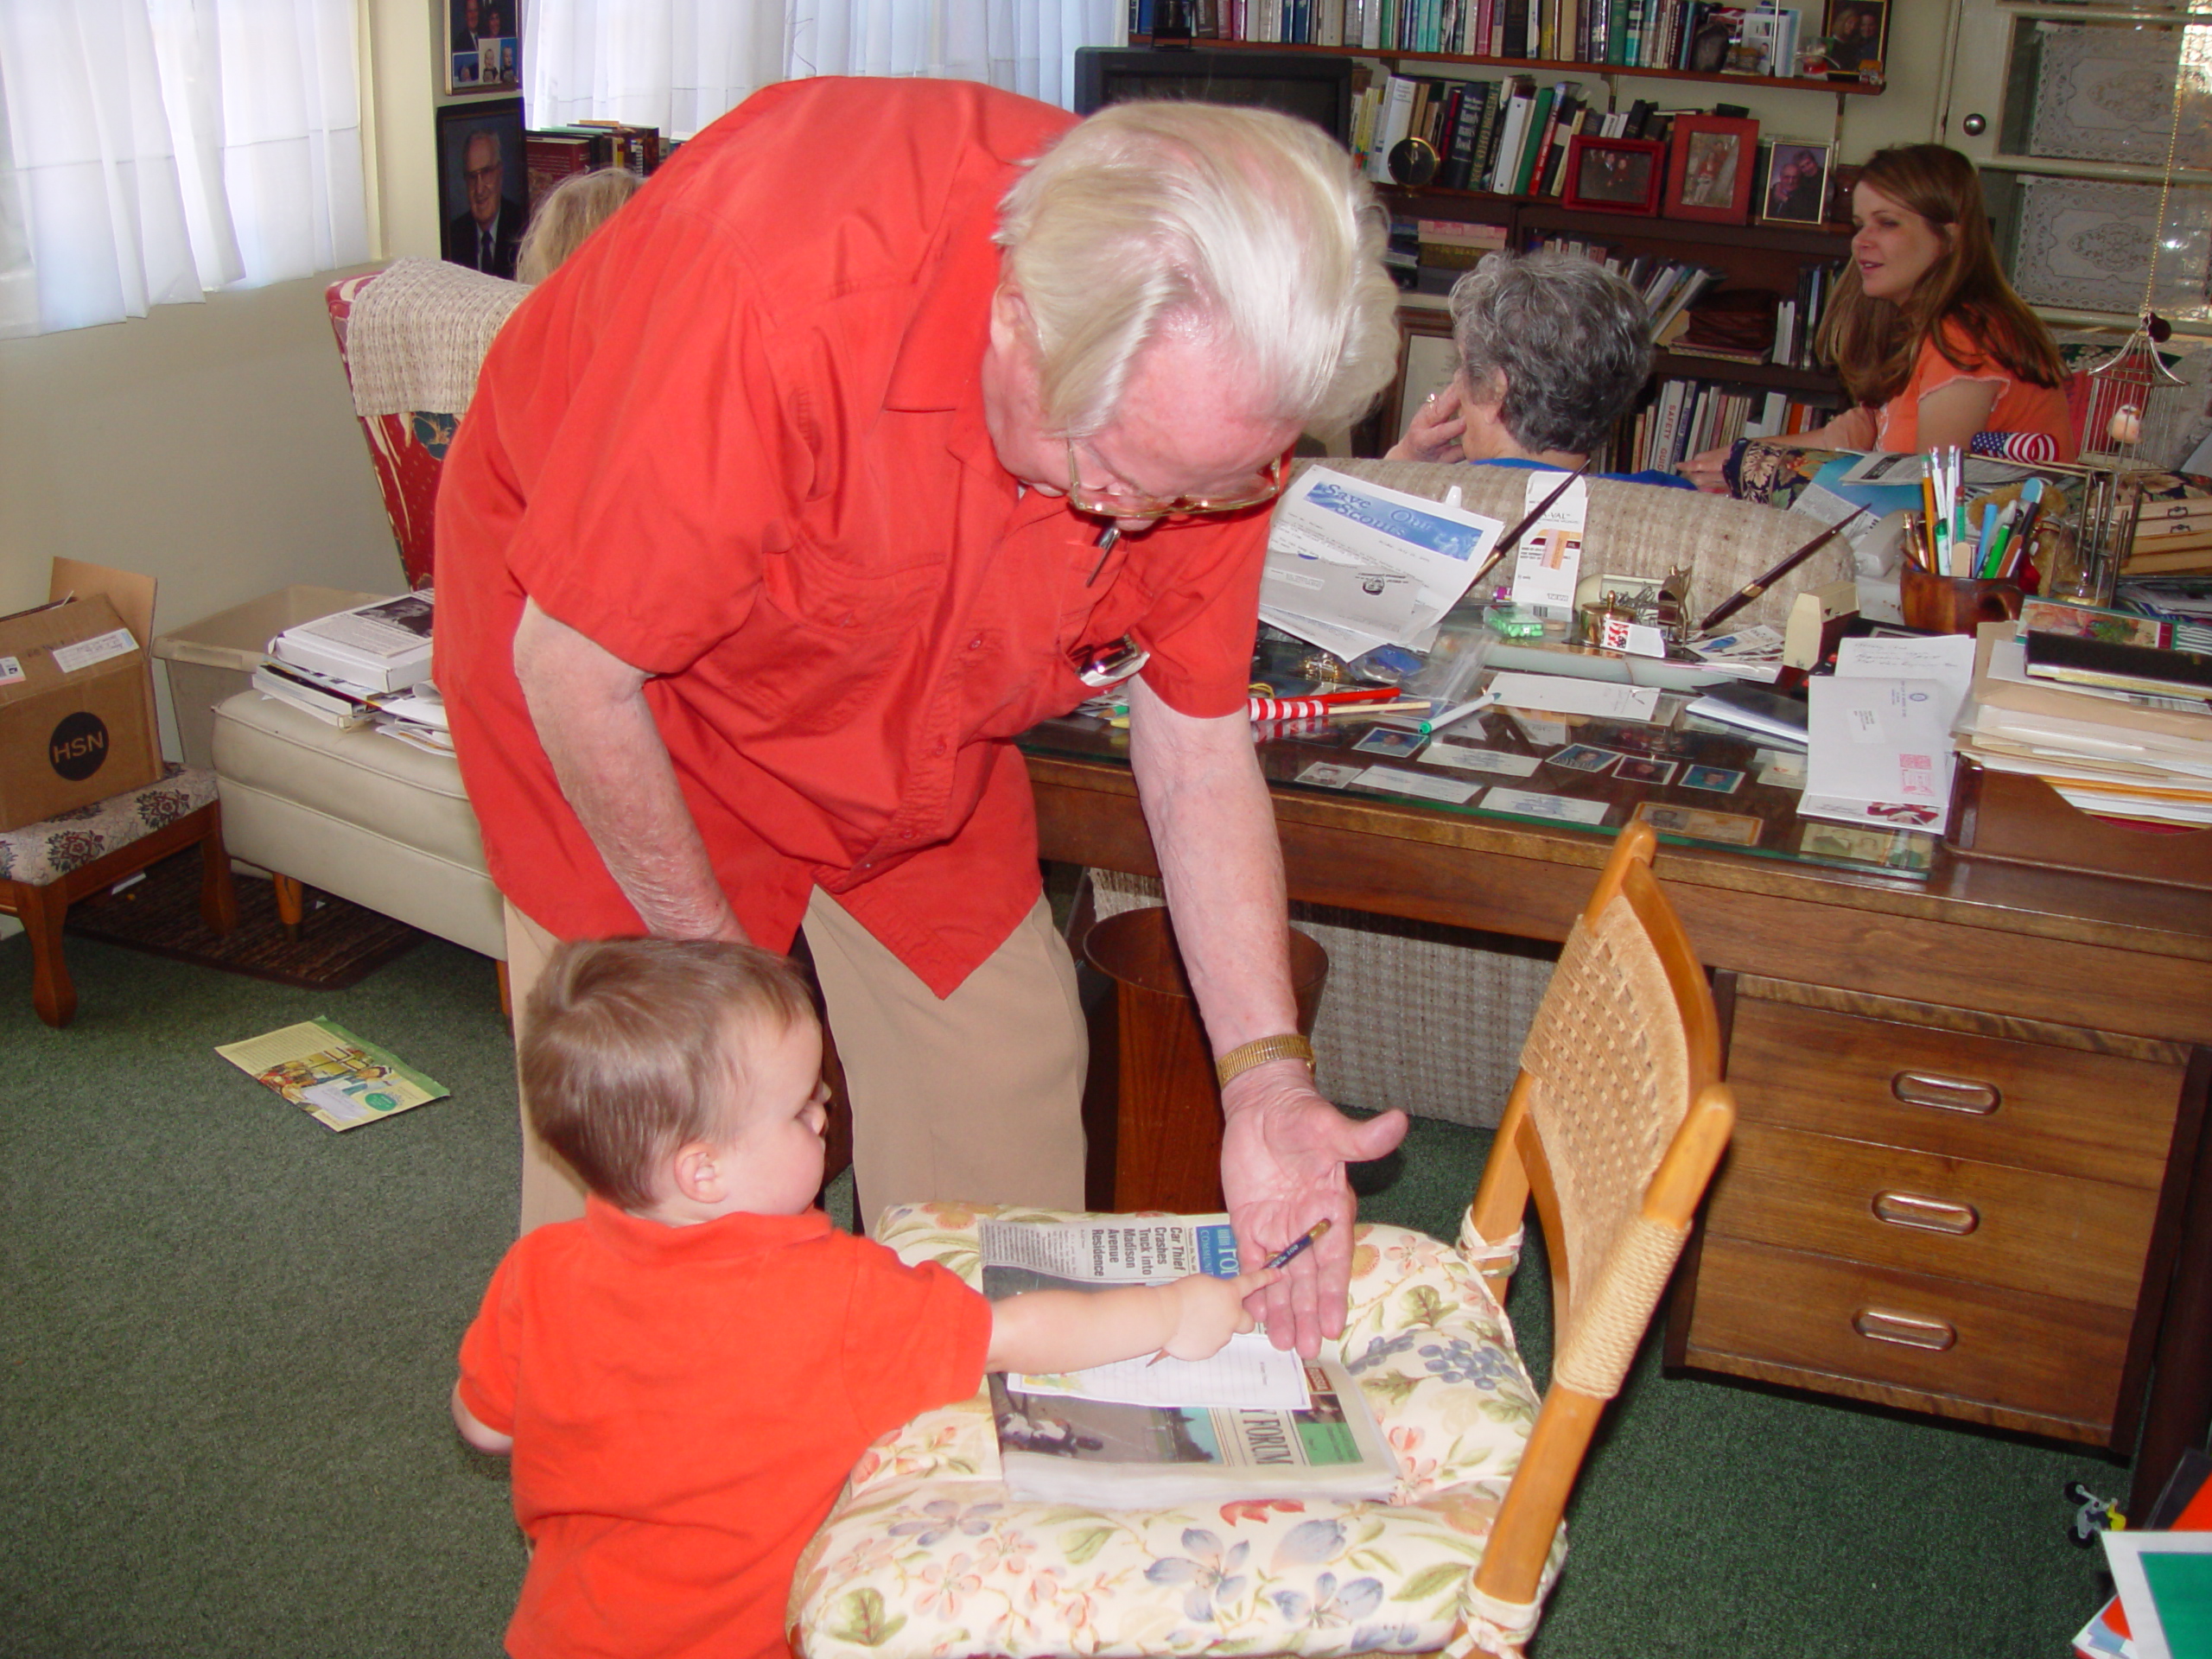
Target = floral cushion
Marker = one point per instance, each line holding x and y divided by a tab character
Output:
41	853
927	1553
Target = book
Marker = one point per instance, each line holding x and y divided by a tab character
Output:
333	1075
382	646
319	695
1055	1446
1754	709
2081	660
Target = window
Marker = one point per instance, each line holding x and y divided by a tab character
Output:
154	150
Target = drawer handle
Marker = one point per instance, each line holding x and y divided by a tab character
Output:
1928	1214
1966	1095
1875	1326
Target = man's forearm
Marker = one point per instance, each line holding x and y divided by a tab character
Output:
590	711
1221	862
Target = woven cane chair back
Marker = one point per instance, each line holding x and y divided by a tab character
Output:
1615	1126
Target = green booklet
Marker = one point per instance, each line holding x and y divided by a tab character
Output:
332	1075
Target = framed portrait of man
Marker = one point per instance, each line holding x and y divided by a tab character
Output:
482	181
1795	188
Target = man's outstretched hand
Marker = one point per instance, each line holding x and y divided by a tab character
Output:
1283	1153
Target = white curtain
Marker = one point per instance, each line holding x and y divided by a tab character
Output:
152	150
678	64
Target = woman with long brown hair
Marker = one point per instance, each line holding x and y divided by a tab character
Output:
1930	338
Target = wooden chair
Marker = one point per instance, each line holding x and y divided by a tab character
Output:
47	867
1614	1126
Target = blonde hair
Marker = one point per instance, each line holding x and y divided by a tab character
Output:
572	210
1239	226
630	1048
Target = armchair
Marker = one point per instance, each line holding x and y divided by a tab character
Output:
1616	1122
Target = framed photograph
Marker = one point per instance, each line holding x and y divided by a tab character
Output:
483	46
1615	175
1857	34
1795	188
481	181
1710	174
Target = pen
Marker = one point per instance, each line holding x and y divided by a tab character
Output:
1281	1258
1750	590
1438	723
1292	1251
1306	708
1506	542
1107	537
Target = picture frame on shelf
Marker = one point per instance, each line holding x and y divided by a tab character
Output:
483	51
1711	161
1858	33
483	181
1615	175
1794	184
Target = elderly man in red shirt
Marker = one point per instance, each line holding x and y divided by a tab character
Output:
820	474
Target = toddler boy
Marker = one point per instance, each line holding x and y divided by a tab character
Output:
686	1376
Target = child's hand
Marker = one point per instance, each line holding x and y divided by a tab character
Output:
1210	1310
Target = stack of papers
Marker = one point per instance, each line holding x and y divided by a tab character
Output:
2148	759
1353	566
356	667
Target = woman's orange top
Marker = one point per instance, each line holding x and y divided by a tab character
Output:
2021	406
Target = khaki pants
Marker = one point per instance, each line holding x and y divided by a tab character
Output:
977	1096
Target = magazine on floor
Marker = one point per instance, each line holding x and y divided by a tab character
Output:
1154	1441
330	1074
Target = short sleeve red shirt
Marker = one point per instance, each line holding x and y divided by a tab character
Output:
738	440
685	1404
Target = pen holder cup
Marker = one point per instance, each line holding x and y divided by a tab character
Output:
1162	1140
1937	604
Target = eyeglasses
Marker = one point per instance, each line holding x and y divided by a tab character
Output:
1118	503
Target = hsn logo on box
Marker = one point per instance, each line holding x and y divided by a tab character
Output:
79	746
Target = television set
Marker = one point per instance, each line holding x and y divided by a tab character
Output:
1306	84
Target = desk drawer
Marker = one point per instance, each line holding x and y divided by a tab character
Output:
2071	1111
2044	1364
1948	1217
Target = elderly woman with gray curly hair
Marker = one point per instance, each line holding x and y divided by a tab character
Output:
1552	350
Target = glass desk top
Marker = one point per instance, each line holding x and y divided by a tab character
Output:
1696	783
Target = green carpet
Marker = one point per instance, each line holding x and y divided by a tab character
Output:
228	1336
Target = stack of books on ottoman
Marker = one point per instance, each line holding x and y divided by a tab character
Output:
370	665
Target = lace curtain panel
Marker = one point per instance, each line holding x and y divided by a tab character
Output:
154	150
678	64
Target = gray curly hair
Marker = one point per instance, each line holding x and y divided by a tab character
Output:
1571	340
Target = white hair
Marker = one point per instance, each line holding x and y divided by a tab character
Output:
1238	225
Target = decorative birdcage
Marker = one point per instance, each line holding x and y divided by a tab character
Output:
2124	391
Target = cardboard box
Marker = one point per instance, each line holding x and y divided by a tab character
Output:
77	695
214	657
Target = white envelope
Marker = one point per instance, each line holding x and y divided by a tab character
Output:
1886	741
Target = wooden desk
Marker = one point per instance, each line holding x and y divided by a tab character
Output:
2025	1261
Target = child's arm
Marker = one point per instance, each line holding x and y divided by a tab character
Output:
483	1439
1071	1330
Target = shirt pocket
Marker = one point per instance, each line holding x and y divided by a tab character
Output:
830	637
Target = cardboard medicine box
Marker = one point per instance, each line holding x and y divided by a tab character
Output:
76	695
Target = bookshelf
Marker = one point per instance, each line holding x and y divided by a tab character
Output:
1752	256
1523	66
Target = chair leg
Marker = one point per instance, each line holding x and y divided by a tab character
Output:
218	900
291	905
506	992
42	911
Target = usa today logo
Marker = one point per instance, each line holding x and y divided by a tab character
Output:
79	746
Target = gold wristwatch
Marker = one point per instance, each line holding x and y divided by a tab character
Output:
1244	1057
